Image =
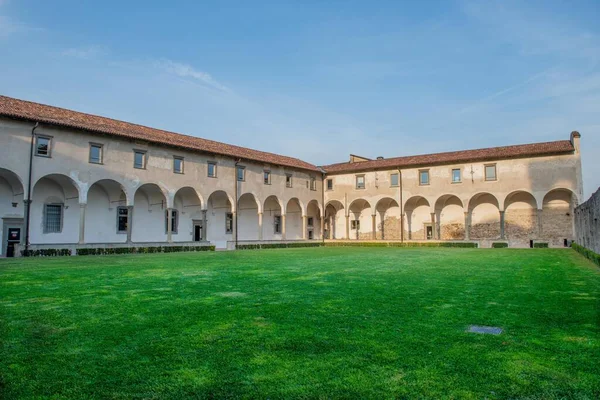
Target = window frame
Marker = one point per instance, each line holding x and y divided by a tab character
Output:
101	147
485	176
459	175
277	224
120	232
229	219
313	183
310	222
45	217
289	180
355	224
237	173
397	175
267	177
364	182
329	181
421	171
145	159
214	164
175	223
50	140
180	158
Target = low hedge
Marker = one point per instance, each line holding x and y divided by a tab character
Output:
46	253
499	245
140	250
463	245
587	253
540	245
276	245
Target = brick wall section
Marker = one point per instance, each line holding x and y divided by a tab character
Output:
587	223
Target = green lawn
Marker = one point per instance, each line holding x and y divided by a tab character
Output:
302	323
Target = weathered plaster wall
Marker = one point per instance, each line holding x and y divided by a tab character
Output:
587	223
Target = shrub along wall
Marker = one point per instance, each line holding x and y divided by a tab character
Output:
587	223
587	253
463	245
114	250
255	246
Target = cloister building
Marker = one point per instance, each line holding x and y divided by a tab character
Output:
74	180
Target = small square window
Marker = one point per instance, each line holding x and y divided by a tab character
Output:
95	153
360	181
490	172
53	218
42	146
212	169
178	165
313	183
424	177
174	220
277	224
241	173
456	175
139	159
394	180
288	180
122	214
228	223
267	177
310	221
329	184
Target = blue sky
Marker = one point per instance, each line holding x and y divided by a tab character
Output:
319	80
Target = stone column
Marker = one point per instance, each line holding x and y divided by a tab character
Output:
402	225
82	223
25	219
233	225
322	223
374	227
283	227
347	227
169	225
467	226
204	225
304	227
540	223
502	226
433	227
260	226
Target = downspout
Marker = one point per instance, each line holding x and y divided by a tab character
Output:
401	206
323	175
28	205
235	191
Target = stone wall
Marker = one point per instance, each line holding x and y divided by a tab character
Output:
587	223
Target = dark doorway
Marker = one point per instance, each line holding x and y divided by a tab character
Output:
429	232
531	244
14	238
197	232
311	235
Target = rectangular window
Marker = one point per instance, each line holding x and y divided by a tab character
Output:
310	221
490	172
360	181
277	224
122	213
174	220
228	223
241	173
139	159
178	165
394	180
355	224
329	184
212	169
53	218
42	146
313	183
424	177
456	175
95	153
288	180
267	177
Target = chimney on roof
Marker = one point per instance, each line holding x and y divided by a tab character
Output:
575	137
380	158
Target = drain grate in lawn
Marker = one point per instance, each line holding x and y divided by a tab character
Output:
486	330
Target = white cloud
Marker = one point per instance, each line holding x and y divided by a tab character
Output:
187	71
85	53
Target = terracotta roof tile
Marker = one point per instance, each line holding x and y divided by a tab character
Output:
454	157
26	110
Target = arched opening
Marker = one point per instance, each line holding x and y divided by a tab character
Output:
557	216
313	220
484	211
272	223
247	214
388	219
54	210
149	215
106	213
520	218
11	211
418	219
189	217
450	214
219	216
334	220
360	220
293	219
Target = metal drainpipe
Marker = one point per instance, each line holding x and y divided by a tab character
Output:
235	191
323	174
401	207
28	205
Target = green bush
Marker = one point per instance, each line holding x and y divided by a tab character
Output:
256	246
101	251
587	253
46	253
499	245
540	245
464	245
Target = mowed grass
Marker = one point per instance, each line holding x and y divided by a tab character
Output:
302	323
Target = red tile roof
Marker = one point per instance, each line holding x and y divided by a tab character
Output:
454	157
26	110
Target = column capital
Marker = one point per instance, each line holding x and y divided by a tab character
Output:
82	205
27	202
